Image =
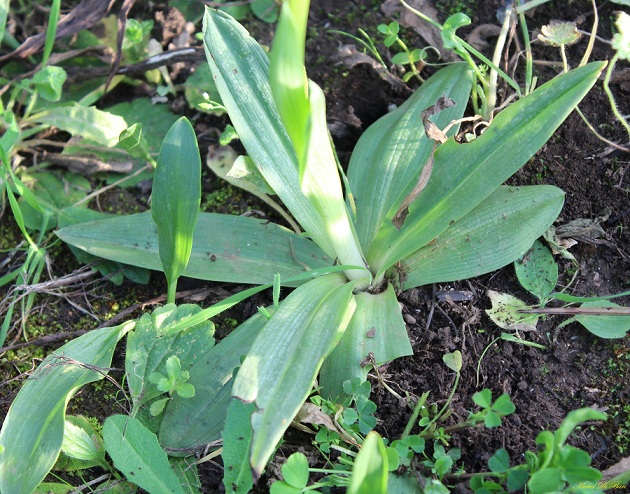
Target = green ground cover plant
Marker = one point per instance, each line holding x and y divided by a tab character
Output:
420	206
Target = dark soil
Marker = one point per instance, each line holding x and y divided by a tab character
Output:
577	369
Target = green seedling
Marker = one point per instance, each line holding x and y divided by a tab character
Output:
554	467
537	272
174	382
406	57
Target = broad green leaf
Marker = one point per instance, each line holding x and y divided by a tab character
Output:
137	454
87	122
370	471
604	326
247	250
395	149
49	82
237	438
241	71
280	368
176	199
537	271
54	192
376	328
114	271
505	312
200	420
29	448
498	231
53	488
500	461
82	442
466	174
295	470
152	344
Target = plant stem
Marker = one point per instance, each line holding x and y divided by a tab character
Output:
611	98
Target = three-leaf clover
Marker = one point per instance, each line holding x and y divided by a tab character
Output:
174	382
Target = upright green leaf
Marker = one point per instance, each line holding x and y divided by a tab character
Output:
282	364
176	199
537	271
287	76
241	71
479	167
395	149
498	231
370	471
137	453
29	448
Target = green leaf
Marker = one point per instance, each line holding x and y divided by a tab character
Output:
54	193
132	141
401	59
82	442
604	326
29	448
395	148
280	368
201	91
558	33
176	199
500	461
370	471
237	438
492	420
451	25
138	455
498	231
546	481
376	328
199	420
483	398
249	250
49	82
185	390
503	405
295	471
87	122
537	271
241	71
505	312
153	344
466	174
157	407
453	360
